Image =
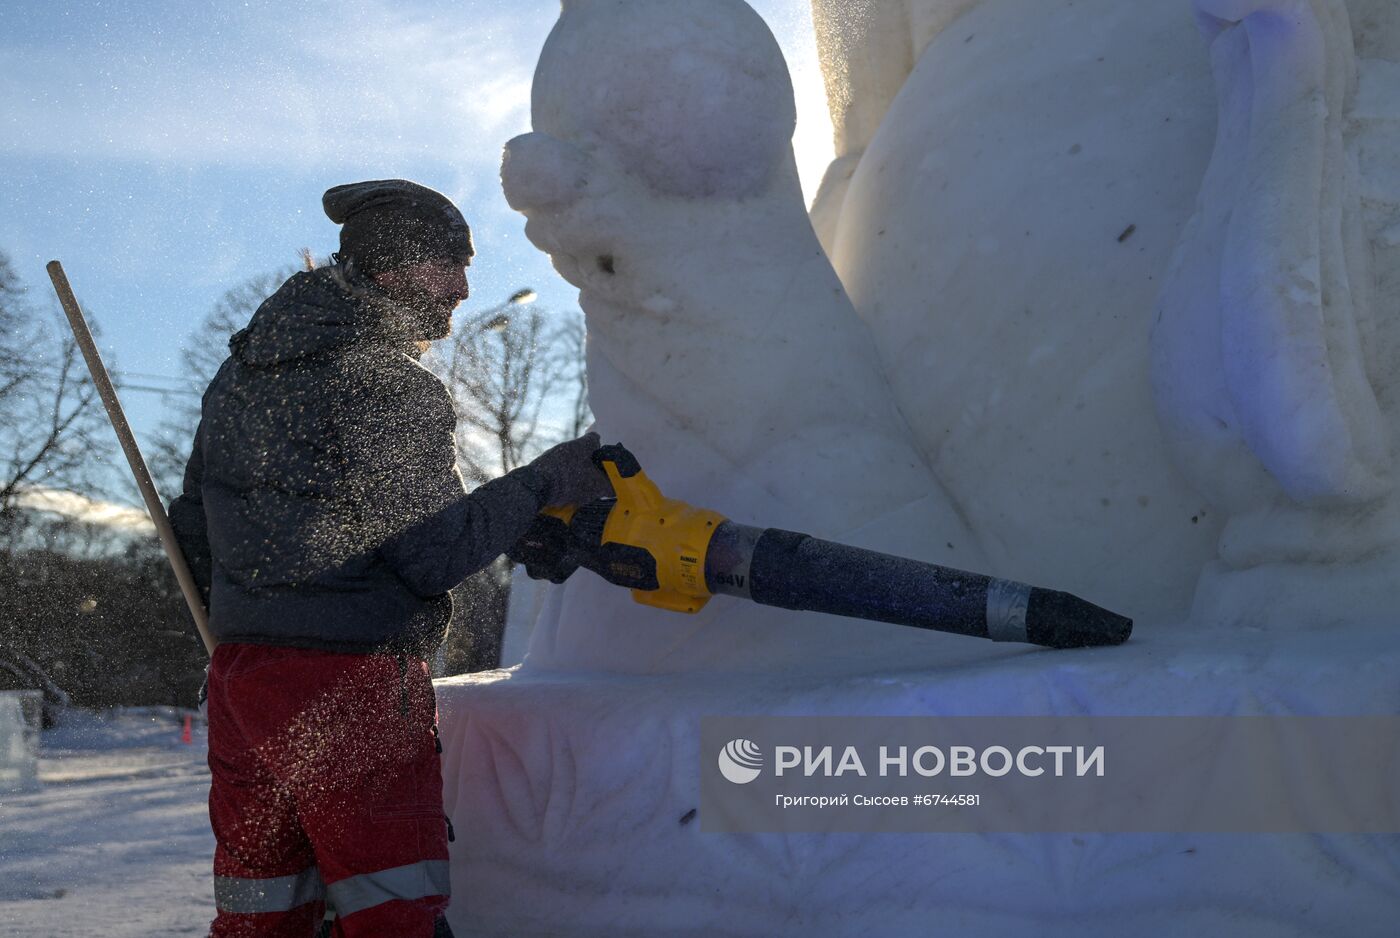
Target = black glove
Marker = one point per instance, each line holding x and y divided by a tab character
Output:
572	477
547	550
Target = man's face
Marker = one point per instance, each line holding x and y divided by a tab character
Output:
432	289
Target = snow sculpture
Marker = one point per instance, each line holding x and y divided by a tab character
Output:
1272	341
1021	187
722	347
19	740
1079	168
1002	216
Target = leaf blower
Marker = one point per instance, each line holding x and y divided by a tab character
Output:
675	556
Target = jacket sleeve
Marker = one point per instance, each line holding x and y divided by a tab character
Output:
186	513
402	466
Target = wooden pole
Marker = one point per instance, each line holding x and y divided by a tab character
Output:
154	506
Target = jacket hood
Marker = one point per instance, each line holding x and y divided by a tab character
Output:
316	312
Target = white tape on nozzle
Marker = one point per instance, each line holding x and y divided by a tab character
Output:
1007	605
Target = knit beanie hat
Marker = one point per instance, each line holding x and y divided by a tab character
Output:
390	223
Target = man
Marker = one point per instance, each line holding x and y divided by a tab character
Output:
325	519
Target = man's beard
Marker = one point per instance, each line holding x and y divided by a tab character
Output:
429	317
436	322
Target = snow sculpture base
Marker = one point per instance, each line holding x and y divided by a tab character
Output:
568	794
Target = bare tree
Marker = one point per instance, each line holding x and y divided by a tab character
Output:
502	378
568	354
517	375
49	410
69	605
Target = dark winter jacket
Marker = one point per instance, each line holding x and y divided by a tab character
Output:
322	505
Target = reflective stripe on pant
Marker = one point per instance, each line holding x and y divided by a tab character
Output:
326	785
414	881
277	894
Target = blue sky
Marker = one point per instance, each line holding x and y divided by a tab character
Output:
166	151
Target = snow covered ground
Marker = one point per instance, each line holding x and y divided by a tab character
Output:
117	842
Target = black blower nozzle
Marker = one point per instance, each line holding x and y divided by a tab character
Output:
795	571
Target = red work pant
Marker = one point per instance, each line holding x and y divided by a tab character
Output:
326	786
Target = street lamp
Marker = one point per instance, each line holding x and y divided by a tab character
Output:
495	319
